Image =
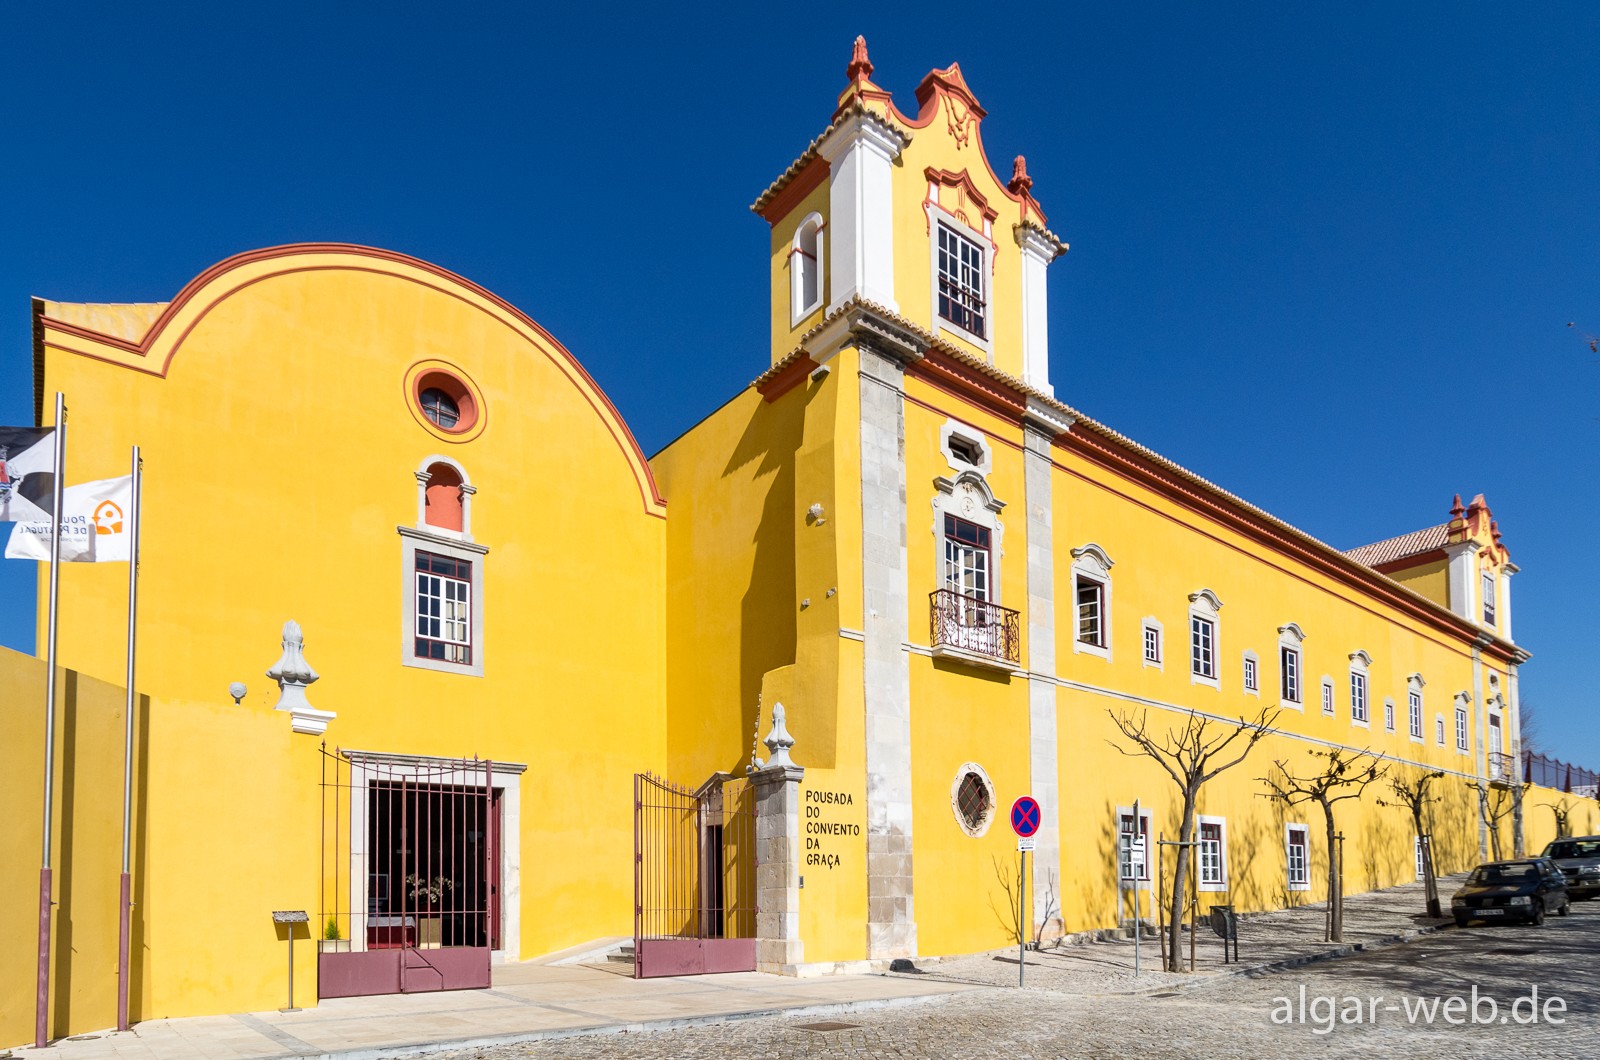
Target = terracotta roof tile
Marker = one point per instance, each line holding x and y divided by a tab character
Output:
1418	541
813	149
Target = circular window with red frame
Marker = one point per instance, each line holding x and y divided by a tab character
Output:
445	401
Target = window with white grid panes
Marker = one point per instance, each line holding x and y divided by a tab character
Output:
444	608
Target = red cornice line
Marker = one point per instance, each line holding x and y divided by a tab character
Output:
1139	469
792	193
793	374
569	364
963	179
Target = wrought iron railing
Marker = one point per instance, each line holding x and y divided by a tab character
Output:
971	624
1550	772
1501	767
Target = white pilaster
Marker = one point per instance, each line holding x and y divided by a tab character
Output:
1463	574
860	154
1043	739
1037	253
1505	600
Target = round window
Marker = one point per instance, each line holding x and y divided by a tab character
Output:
972	799
440	408
445	401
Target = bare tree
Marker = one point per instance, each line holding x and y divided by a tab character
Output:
1495	802
1411	793
1192	753
1346	774
1528	735
1563	812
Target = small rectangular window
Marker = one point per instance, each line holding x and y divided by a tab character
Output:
1421	864
1091	612
1388	715
1438	726
1461	729
1299	875
1152	645
1202	646
1358	696
1289	666
961	276
1250	684
1414	709
1488	598
1211	859
1327	697
444	603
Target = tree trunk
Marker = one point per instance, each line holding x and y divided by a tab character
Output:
1335	889
1180	884
1516	817
1430	884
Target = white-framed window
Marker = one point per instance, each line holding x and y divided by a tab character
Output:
965	448
1420	865
1291	667
1250	665
1327	695
1360	662
1203	646
442	574
1297	857
966	558
1213	838
1388	715
961	275
1414	685
1091	597
1461	729
972	799
1129	869
1438	728
1488	598
1150	636
806	269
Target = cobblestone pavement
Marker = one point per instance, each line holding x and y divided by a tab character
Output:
1071	1011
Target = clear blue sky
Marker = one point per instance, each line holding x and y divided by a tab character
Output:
1324	255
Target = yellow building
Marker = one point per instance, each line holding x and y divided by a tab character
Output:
952	581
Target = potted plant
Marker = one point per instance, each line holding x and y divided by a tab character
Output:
333	940
427	894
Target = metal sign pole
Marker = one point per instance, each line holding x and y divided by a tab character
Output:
1136	874
1022	912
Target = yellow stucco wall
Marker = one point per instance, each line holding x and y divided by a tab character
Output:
280	451
1430	579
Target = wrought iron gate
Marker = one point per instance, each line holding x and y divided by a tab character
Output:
410	874
694	877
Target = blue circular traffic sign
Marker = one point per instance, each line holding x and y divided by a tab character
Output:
1025	816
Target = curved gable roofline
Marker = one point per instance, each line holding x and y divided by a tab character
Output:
153	352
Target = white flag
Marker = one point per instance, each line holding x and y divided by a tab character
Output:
96	525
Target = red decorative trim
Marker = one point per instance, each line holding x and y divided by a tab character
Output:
566	362
945	373
794	192
1140	469
1407	562
793	374
962	182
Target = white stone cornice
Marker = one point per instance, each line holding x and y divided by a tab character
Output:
866	128
1048	418
1037	244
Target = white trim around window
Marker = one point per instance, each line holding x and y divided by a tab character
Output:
1091	601
1212	835
1461	729
1205	641
1297	862
938	218
1327	695
1438	728
1291	668
413	541
1125	879
1250	673
1414	707
1151	648
1361	689
1388	714
807	276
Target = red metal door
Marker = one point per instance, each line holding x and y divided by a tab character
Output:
408	885
694	877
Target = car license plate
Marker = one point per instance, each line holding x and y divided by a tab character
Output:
1491	912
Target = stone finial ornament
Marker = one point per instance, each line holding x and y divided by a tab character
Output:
1020	183
293	675
1455	507
779	741
860	67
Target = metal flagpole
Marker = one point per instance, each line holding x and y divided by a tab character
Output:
41	1014
125	909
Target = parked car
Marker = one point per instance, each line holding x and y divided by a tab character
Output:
1526	889
1578	857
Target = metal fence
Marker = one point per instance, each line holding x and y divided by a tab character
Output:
1550	772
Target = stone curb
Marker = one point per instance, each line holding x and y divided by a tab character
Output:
405	1049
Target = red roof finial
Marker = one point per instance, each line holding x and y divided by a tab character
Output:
1020	181
1494	530
1455	507
860	67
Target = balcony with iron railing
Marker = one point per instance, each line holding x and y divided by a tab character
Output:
1502	768
973	631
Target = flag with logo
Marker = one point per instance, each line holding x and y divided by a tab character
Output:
27	474
96	524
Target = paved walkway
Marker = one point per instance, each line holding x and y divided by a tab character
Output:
532	1002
